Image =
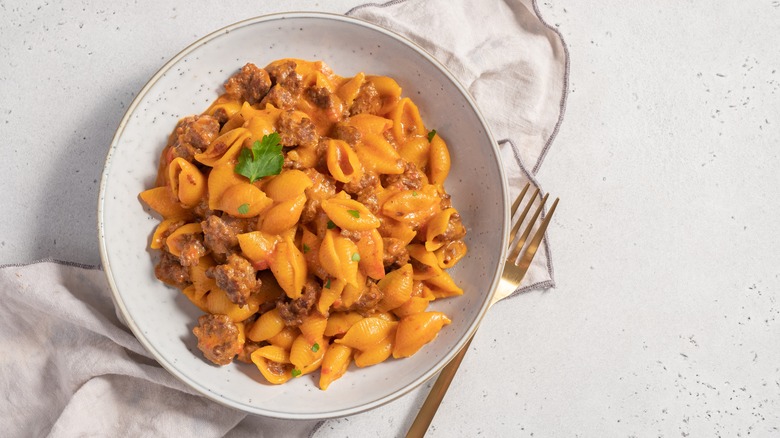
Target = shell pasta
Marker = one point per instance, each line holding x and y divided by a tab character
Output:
305	214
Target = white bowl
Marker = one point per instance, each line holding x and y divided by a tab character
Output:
162	318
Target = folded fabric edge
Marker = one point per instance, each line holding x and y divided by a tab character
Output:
546	241
564	93
55	261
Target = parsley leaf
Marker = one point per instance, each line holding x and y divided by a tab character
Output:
354	213
331	225
355	257
414	193
296	372
243	209
306	248
316	347
327	285
264	159
431	135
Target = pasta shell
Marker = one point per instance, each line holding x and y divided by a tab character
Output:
366	333
284	339
439	161
396	288
340	322
199	300
349	90
313	327
451	253
412	306
406	121
268	325
378	155
178	237
219	303
275	371
413	207
221	178
287	185
162	231
334	364
337	257
416	330
371	249
243	200
350	214
284	215
437	226
342	161
443	286
375	354
289	268
258	247
425	263
163	201
224	149
186	182
304	356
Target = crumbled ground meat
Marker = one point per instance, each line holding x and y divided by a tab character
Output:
366	192
369	299
368	180
221	115
286	85
352	235
284	74
395	252
368	100
192	250
192	135
323	187
295	130
246	353
293	311
220	233
170	271
237	278
455	229
202	210
411	179
446	201
321	97
279	97
349	134
251	84
217	338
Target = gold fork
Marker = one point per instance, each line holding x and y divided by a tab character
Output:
514	271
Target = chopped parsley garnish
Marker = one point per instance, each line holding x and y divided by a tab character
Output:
296	372
331	225
243	209
354	213
327	285
264	159
355	257
431	135
316	347
414	193
306	248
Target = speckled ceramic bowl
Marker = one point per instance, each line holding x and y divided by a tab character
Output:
162	318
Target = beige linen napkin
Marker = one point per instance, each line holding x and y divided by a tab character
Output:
70	368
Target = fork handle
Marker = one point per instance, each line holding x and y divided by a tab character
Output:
432	402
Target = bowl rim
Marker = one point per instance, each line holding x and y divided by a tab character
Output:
116	297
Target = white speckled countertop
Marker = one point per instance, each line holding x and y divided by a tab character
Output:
665	321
